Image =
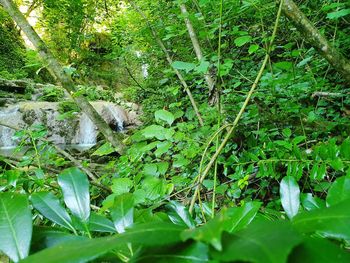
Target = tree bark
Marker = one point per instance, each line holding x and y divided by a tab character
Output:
170	61
213	96
57	71
317	40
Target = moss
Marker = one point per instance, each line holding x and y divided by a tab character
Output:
12	49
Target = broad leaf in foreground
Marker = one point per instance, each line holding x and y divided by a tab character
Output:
290	196
332	222
180	215
339	191
44	237
147	235
75	186
15	225
229	220
123	212
261	242
190	252
49	206
100	223
316	250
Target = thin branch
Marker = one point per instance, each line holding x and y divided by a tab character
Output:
170	61
198	50
239	115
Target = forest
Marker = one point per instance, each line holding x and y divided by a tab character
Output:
175	131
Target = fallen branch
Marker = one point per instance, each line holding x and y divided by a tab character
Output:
327	94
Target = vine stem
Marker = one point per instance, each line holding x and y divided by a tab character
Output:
240	113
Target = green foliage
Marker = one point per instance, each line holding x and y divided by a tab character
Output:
15	226
11	49
236	234
279	189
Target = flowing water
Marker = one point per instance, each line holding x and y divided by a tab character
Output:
78	131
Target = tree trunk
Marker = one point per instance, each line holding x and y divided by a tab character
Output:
213	96
56	70
317	40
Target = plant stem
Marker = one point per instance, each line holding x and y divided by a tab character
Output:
240	113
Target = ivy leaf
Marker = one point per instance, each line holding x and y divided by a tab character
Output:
240	41
162	147
121	185
75	186
252	49
15	226
203	67
159	132
105	149
290	196
165	116
183	66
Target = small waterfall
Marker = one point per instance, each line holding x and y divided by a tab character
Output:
87	133
118	116
144	67
79	130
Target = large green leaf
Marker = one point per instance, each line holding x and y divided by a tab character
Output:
339	191
123	212
180	215
100	223
75	186
332	222
44	237
147	235
49	206
241	216
156	131
188	252
240	41
290	196
121	185
164	115
261	241
310	202
15	225
183	65
316	250
232	219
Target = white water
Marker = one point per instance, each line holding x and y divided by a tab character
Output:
77	131
87	133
